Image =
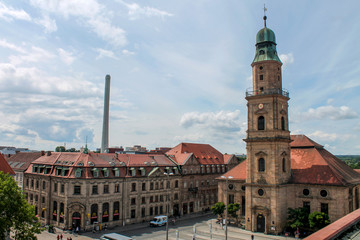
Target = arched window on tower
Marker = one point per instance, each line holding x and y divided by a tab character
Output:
282	123
261	123
261	165
284	165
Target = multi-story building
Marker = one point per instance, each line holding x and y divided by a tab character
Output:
84	189
283	171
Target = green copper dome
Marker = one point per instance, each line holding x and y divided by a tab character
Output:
265	35
266	46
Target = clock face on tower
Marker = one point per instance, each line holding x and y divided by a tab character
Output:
261	106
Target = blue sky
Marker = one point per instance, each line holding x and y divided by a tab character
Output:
179	71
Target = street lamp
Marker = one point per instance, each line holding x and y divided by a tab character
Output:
167	206
227	202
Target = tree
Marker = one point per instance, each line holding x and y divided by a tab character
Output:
60	149
298	217
218	208
232	209
318	220
16	214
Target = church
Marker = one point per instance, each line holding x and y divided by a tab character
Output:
281	170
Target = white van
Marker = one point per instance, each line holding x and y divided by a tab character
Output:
114	236
158	221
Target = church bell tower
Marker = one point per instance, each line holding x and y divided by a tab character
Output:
267	140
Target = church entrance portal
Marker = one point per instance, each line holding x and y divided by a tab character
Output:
260	223
76	220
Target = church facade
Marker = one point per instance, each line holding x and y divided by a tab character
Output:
281	170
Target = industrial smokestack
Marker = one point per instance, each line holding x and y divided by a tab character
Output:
105	132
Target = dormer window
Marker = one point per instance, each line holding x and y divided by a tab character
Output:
223	168
35	168
78	172
213	168
106	172
202	169
65	171
58	171
116	172
142	171
132	172
176	170
95	172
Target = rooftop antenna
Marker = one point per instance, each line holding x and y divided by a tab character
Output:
265	9
86	151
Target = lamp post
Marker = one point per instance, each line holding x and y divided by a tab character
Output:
226	203
167	206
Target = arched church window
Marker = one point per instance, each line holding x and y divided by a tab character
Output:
261	165
282	123
284	165
261	123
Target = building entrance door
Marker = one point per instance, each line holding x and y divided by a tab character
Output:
260	221
185	208
176	210
76	220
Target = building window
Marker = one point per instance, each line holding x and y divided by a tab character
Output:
284	165
176	184
231	198
151	186
282	123
261	52
323	193
106	172
116	172
161	210
306	192
261	77
306	205
133	187
62	188
176	196
94	189
55	211
105	213
151	211
143	200
37	184
27	182
261	67
156	210
132	213
32	183
133	201
78	172
55	187
151	199
156	198
42	199
261	165
61	212
143	212
143	186
44	185
261	123
116	214
117	188
36	198
261	192
325	208
94	213
106	189
95	172
77	190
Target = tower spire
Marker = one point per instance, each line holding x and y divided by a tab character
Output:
265	9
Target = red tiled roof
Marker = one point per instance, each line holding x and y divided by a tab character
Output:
303	141
4	166
312	164
238	172
204	153
22	160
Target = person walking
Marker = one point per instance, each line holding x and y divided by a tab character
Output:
61	236
252	236
58	237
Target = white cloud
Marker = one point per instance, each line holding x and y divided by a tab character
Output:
286	59
330	112
36	54
66	57
105	53
91	12
322	136
5	44
9	13
47	23
223	120
127	52
135	11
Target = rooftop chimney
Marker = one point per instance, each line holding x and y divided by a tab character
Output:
105	132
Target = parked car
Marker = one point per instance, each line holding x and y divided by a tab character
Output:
158	221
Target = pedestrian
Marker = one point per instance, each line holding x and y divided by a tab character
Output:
77	230
61	236
70	238
252	237
58	237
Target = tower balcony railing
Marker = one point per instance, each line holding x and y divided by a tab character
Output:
251	93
